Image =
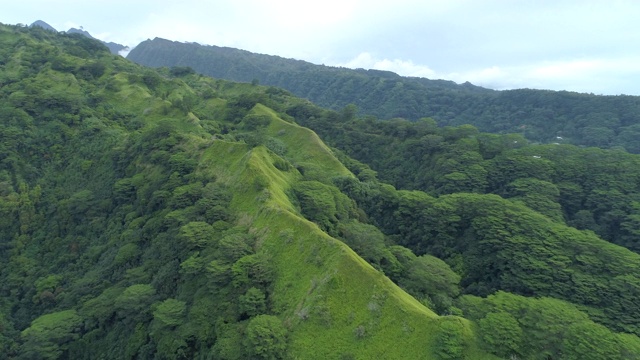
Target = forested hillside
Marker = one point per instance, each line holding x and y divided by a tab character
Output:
158	215
161	214
504	214
586	188
540	116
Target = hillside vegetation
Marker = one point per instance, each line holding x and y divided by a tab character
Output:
539	115
151	216
589	189
161	214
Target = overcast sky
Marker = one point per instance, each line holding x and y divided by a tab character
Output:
582	45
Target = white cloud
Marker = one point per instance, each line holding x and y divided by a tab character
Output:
296	14
568	69
68	25
611	76
124	52
402	67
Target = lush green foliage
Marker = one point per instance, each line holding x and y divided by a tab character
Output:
589	189
266	338
161	214
49	335
495	244
521	242
515	326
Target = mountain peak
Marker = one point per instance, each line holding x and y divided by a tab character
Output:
43	25
115	48
80	31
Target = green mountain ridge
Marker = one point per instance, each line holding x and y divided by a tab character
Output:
160	214
539	115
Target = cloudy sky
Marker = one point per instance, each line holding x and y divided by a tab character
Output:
578	45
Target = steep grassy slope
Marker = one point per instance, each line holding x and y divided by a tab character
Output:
335	303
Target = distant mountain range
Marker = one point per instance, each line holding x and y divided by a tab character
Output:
383	94
115	48
540	115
